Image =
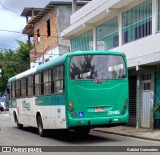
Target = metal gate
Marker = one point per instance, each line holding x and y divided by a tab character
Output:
132	101
146	100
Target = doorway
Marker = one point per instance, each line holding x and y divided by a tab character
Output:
146	100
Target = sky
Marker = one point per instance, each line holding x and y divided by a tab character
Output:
10	20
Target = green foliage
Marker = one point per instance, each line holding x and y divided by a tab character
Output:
13	62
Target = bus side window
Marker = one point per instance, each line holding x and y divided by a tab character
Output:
9	92
30	86
47	82
18	89
41	84
58	79
33	85
23	87
13	90
37	81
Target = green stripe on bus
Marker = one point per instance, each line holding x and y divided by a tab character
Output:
50	100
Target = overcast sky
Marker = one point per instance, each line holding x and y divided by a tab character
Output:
13	21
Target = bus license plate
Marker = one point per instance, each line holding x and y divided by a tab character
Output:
99	109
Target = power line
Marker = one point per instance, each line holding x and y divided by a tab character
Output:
10	31
26	34
7	45
7	8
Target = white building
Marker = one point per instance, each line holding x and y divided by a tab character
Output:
133	27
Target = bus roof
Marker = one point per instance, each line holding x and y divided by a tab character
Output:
58	60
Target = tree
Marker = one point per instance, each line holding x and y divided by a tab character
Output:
13	62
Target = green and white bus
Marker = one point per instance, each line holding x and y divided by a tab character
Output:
77	91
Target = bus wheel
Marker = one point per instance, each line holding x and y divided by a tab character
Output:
19	126
82	131
41	131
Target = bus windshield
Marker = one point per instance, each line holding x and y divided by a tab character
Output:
97	67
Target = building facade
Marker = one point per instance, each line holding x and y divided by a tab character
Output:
44	25
132	27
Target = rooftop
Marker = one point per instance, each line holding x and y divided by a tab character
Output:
38	13
28	10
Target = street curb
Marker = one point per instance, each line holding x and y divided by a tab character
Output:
128	135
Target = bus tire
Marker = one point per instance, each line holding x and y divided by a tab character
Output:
41	131
19	126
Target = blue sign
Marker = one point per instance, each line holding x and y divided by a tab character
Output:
81	114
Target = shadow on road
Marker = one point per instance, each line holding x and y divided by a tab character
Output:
71	137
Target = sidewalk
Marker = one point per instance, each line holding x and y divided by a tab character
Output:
148	134
5	112
4	115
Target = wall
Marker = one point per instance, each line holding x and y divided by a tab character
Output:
141	47
46	42
63	18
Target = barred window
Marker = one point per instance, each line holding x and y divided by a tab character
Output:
38	84
30	86
47	82
137	22
13	92
23	87
58	79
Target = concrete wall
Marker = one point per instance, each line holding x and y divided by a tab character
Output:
141	47
63	18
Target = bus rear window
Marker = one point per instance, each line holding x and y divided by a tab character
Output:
97	67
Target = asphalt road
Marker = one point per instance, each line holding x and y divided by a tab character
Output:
28	136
